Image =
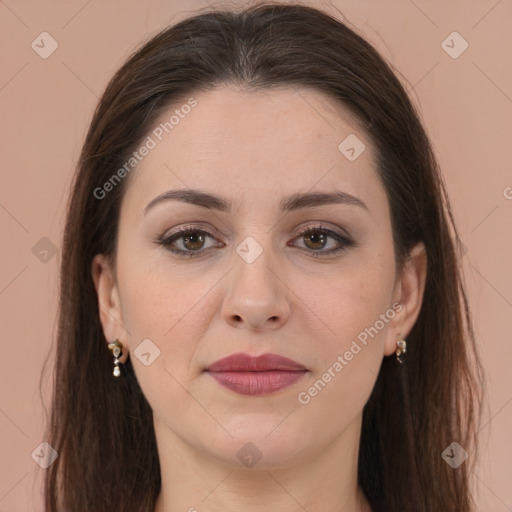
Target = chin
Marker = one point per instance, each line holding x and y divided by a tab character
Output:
255	447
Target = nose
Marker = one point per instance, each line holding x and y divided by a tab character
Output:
256	298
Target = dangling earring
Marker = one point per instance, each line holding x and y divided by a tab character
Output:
116	348
401	349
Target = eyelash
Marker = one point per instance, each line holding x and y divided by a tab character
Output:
344	240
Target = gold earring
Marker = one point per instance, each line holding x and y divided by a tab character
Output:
401	349
116	348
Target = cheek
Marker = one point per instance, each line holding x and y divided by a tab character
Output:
357	309
346	306
154	299
171	315
348	354
166	309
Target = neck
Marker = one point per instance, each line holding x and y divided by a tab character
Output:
195	482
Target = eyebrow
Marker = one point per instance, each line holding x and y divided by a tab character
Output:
287	204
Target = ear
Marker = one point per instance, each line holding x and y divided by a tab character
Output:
409	289
109	305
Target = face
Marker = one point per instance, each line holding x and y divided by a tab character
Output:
260	271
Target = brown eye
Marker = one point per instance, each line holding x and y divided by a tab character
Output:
317	240
193	241
189	242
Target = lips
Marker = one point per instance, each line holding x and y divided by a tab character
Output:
262	375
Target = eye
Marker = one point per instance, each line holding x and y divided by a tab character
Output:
190	241
316	239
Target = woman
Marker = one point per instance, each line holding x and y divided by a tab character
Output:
261	306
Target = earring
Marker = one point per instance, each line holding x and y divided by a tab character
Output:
116	348
401	349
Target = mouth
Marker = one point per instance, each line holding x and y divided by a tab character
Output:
256	376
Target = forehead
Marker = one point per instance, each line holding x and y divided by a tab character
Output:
250	144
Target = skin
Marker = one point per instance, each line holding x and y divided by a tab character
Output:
254	148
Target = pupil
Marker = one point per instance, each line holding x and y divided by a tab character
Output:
190	238
317	238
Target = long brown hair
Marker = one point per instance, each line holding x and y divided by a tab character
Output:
102	427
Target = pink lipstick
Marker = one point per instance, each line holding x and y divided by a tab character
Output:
257	376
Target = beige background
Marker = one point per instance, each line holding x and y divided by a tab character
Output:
46	105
